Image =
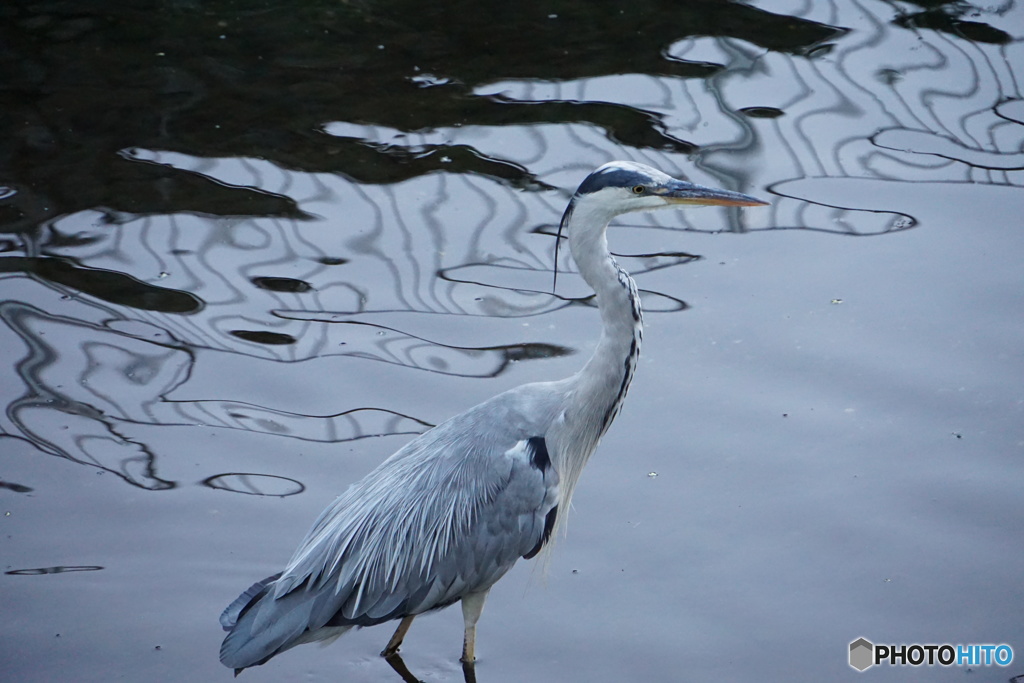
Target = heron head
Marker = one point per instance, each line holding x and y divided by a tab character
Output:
624	186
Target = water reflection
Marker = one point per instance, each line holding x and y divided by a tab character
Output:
396	662
284	258
105	285
77	379
282	290
200	217
17	488
254	484
83	383
353	425
37	571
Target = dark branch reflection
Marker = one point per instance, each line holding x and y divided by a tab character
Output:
63	569
254	484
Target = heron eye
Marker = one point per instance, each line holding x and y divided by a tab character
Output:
638	189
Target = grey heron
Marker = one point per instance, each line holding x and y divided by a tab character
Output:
448	514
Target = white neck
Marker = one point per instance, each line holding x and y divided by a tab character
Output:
597	390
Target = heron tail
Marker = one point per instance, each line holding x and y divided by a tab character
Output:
262	623
229	617
260	626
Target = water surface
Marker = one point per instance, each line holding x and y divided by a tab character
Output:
249	249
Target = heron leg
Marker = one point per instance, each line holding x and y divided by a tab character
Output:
396	640
472	606
469	672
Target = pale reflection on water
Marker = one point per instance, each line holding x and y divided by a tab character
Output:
829	396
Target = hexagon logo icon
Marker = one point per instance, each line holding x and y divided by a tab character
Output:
862	654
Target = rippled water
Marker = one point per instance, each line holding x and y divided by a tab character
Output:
247	250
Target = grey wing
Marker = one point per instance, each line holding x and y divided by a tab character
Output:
445	516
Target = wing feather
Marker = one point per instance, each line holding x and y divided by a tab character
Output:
448	514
